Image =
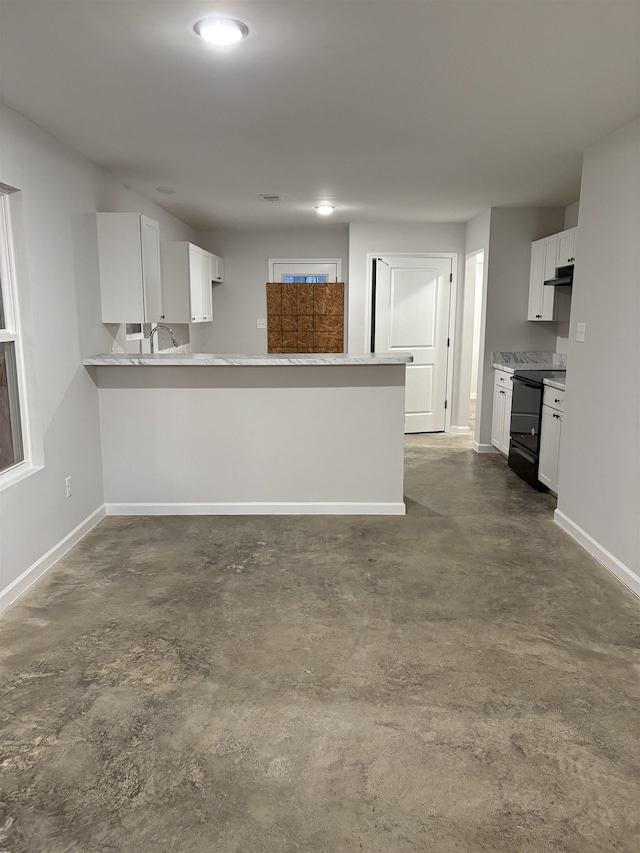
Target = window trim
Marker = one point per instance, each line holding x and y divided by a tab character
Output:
295	261
13	332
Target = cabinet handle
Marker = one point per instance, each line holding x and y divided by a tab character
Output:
571	259
557	401
538	316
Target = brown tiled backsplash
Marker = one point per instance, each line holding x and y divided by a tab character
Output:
305	317
274	299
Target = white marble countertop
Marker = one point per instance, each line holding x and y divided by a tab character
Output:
207	359
555	383
513	366
512	361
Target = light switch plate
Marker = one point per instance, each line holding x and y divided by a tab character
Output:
261	324
581	329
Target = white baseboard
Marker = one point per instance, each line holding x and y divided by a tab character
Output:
328	508
31	575
484	448
622	572
459	430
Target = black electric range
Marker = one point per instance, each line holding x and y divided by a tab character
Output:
526	418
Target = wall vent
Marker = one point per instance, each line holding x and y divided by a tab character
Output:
269	197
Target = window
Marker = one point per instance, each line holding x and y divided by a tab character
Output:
304	270
12	451
304	279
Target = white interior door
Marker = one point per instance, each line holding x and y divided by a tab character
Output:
411	314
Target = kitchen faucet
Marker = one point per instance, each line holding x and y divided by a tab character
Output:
167	329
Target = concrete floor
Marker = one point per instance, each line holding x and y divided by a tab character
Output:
462	679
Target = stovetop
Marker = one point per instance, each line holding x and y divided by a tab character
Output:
537	376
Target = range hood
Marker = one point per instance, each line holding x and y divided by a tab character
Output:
563	277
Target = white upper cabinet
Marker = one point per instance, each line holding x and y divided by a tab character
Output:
187	284
566	247
217	269
557	250
129	262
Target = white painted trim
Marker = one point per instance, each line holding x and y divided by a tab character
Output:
34	572
246	508
484	448
611	563
460	430
18	472
473	395
336	261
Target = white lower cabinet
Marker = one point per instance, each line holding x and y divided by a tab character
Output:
550	435
187	284
501	423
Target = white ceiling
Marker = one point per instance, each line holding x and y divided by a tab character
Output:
391	110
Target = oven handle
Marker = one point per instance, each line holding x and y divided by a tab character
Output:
528	382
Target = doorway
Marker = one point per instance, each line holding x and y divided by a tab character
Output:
411	312
474	292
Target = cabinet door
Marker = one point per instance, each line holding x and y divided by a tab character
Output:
549	444
120	264
536	277
217	269
556	485
544	255
497	423
548	293
566	247
196	291
206	287
151	283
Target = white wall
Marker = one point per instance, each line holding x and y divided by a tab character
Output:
507	267
600	450
400	238
259	439
59	290
477	264
242	299
571	213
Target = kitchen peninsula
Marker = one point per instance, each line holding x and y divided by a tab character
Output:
200	433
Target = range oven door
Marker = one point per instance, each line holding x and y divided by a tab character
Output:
526	413
526	416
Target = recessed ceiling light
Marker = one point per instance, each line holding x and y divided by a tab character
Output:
325	209
221	31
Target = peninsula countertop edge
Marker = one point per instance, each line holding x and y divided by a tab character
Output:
203	359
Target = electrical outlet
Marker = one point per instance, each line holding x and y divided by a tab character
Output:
581	329
261	324
67	483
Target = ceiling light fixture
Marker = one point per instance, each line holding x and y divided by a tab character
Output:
325	209
221	31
